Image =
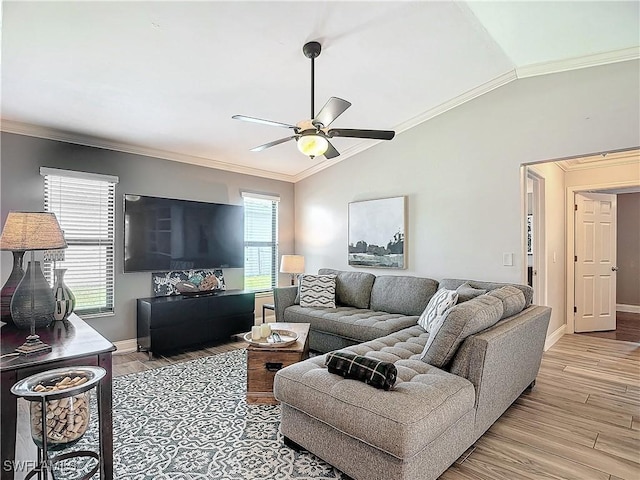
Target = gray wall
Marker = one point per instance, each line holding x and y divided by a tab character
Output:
461	172
628	250
21	188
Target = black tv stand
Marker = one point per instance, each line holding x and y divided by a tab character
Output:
167	324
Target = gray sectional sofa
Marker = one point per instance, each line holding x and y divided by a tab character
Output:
368	307
436	410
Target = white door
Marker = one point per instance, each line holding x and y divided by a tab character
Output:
595	261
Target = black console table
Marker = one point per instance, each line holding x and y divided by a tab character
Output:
170	323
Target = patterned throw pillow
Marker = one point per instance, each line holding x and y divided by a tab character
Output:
441	301
318	291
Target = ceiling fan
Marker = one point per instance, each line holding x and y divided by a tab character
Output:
312	136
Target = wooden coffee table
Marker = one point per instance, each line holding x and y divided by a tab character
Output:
264	362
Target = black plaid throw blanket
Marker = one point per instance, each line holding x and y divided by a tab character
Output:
369	370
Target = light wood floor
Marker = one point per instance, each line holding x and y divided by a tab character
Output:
581	421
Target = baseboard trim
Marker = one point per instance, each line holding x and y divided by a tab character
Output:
628	308
554	337
126	346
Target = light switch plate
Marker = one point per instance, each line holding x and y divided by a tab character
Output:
507	259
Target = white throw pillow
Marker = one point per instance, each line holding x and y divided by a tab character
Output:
318	291
441	301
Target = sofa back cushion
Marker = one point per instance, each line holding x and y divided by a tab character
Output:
402	294
459	322
512	298
353	289
454	283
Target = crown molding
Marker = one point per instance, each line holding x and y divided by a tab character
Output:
545	68
48	133
601	160
557	66
417	120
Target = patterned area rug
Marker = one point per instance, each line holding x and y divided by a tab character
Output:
190	421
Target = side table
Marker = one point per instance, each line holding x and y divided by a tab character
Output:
265	307
264	362
73	345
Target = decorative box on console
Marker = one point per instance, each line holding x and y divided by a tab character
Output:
164	283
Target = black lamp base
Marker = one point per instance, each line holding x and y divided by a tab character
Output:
33	346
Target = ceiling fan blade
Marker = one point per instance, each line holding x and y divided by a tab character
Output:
355	133
331	152
331	110
272	144
265	122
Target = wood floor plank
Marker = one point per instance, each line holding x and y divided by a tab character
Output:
545	425
595	459
618	403
624	448
602	374
523	460
581	409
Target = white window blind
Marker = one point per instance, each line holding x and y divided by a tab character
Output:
85	207
260	241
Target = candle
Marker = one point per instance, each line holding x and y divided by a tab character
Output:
265	330
256	332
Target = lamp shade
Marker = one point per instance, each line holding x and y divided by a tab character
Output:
292	264
32	231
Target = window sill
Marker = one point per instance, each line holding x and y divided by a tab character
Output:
86	316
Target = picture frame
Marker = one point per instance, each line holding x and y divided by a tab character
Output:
377	233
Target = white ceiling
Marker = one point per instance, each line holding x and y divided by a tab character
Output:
164	78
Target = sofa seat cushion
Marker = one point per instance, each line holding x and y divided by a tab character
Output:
349	322
424	403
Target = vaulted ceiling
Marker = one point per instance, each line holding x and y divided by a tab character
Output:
164	78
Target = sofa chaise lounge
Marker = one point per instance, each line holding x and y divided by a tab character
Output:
442	402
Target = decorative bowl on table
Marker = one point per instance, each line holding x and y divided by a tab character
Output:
200	286
282	338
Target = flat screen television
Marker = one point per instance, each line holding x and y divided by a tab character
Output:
163	234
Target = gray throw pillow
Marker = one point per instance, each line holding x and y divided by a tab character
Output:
460	321
513	300
318	291
466	292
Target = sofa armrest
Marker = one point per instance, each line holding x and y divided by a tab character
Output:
283	297
502	362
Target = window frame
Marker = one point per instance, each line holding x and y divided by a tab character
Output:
105	239
272	243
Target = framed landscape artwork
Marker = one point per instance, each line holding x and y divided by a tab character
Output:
377	233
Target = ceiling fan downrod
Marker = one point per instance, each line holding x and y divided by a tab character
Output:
312	50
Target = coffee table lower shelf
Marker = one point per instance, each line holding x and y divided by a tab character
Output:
264	362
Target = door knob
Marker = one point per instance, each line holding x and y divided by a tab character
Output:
614	269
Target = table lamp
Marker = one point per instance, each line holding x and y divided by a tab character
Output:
293	264
32	302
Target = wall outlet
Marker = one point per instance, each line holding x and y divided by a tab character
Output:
507	259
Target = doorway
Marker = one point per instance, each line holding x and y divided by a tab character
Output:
535	238
551	187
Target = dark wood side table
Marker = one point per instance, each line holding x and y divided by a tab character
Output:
265	307
72	345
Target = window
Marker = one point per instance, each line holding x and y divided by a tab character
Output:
84	204
260	241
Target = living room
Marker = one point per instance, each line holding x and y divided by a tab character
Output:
459	162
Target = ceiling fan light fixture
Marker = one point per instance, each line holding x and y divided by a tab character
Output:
313	145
